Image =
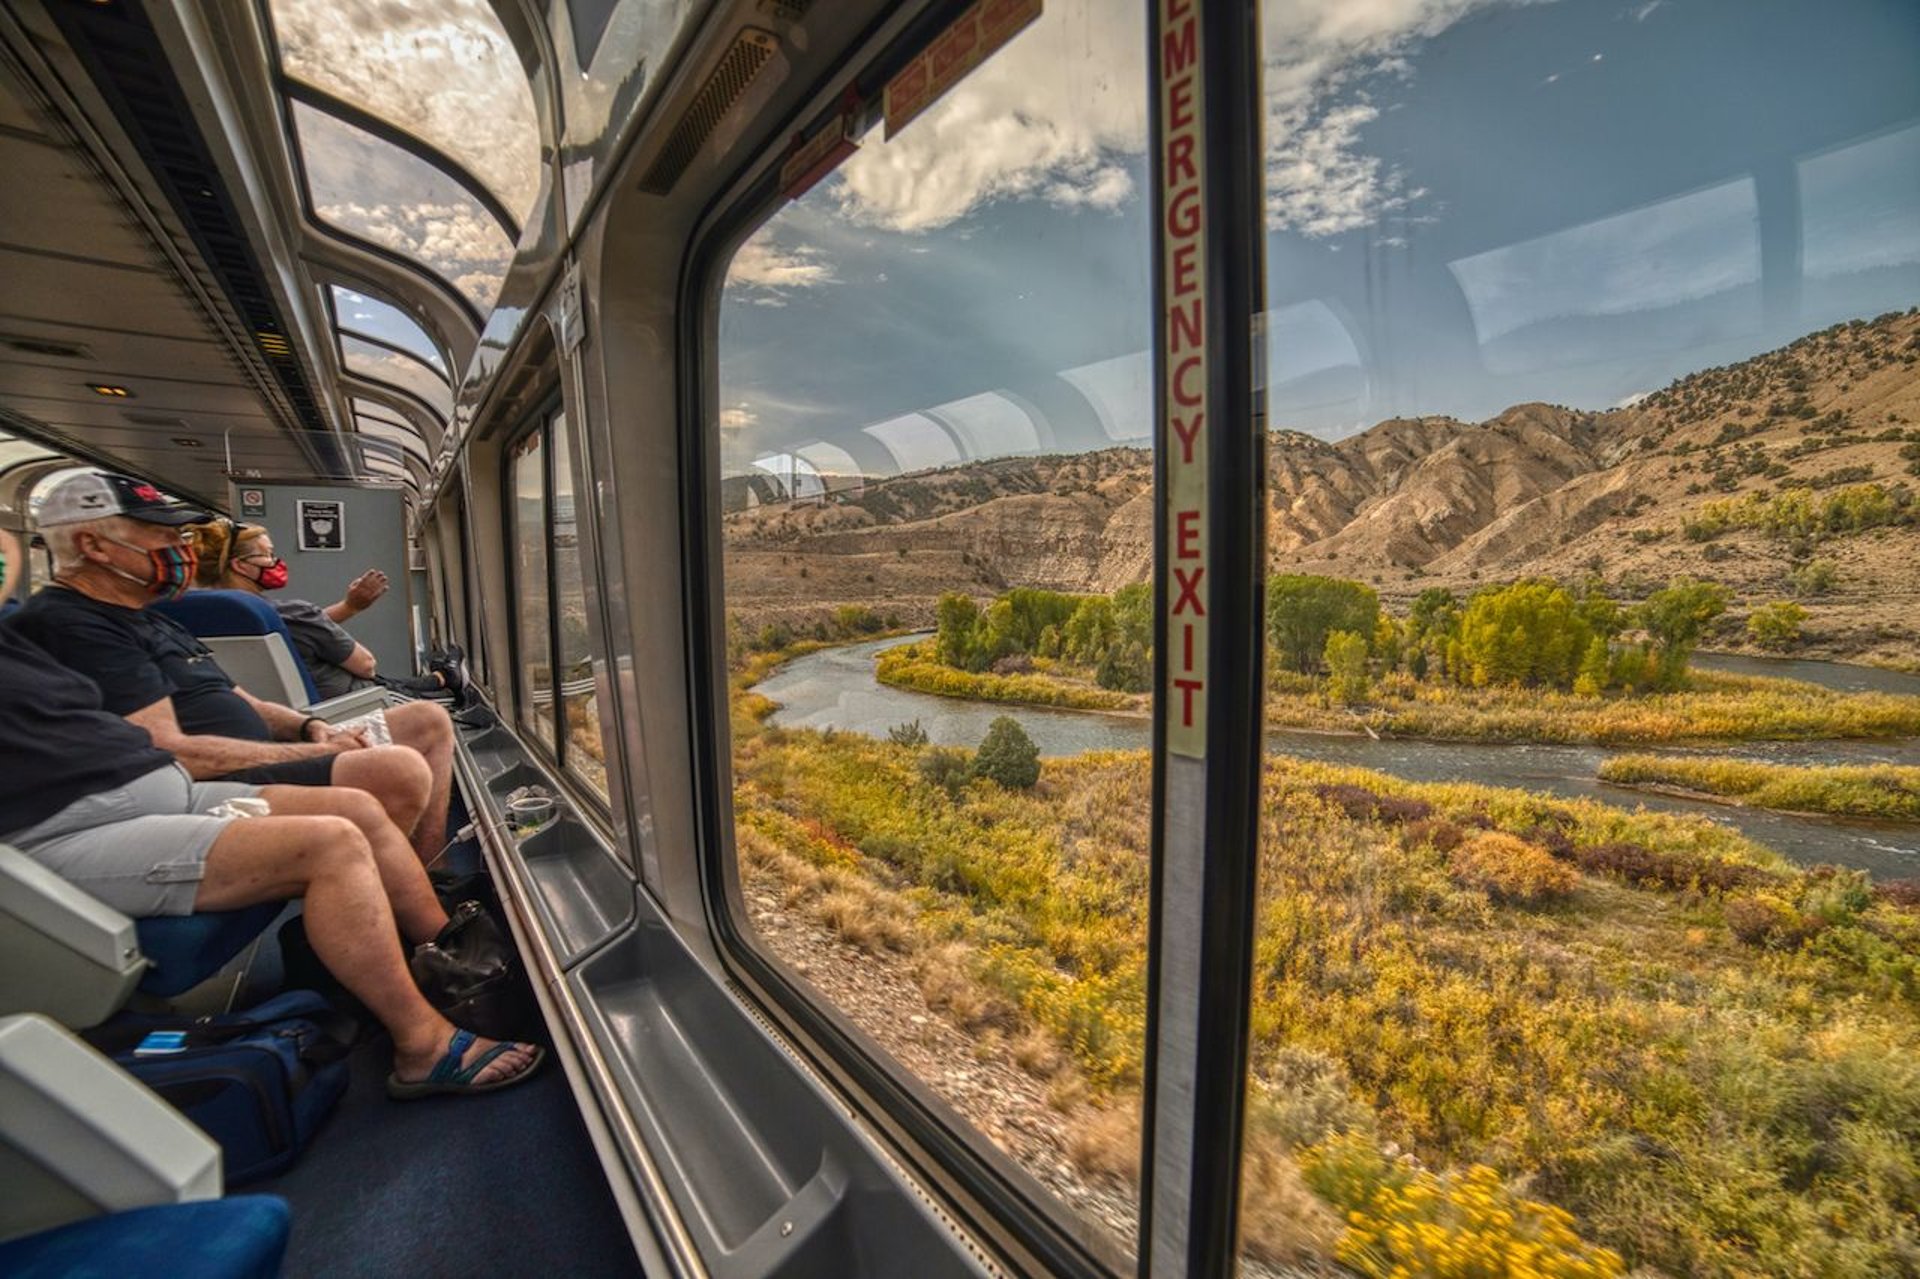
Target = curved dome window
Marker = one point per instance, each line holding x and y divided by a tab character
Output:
377	363
384	195
369	317
394	424
442	70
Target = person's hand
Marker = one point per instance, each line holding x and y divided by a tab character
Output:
366	589
343	740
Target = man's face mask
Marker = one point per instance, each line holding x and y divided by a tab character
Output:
170	570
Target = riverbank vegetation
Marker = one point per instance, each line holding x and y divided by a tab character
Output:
1483	1018
1528	661
1884	791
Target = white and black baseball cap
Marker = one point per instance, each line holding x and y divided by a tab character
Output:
94	495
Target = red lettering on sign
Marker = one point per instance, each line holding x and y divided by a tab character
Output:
1188	687
1185	326
1177	47
1181	395
1188	431
1185	269
1180	105
1183	213
1180	166
1187	628
953	48
1189	587
1186	535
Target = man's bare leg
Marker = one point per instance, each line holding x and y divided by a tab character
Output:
416	908
428	728
329	863
396	776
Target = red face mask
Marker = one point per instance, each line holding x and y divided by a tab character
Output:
273	576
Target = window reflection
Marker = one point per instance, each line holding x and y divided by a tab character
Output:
1861	225
442	70
374	190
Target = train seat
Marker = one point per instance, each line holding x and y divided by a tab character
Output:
104	1178
249	641
69	956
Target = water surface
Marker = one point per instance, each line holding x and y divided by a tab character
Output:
835	688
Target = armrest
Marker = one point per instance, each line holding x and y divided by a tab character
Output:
79	1136
349	705
62	952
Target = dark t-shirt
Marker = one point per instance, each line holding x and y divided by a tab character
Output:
138	657
56	744
322	644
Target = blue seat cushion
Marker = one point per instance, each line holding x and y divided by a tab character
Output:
208	613
187	949
240	1238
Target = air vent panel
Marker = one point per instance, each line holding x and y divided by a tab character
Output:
45	346
742	62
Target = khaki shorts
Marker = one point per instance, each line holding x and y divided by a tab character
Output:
141	848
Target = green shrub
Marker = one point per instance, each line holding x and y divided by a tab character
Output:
947	767
1776	626
1346	658
1007	755
911	733
1302	610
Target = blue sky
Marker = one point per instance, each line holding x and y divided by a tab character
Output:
1470	205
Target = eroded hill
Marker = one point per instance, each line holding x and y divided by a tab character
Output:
1417	502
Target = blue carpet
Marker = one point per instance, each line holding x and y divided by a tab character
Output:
454	1186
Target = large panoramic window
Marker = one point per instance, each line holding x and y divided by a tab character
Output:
938	514
558	702
441	70
369	317
1586	919
372	189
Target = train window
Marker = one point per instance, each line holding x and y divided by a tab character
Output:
937	497
1591	316
383	322
397	425
527	509
557	697
442	70
380	363
374	190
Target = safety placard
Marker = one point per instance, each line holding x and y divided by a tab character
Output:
971	40
1183	338
323	525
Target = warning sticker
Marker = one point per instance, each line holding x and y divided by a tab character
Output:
972	39
1183	337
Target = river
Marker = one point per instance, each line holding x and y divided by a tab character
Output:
835	688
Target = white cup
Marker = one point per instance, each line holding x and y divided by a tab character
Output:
529	813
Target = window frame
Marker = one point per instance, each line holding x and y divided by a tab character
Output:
555	753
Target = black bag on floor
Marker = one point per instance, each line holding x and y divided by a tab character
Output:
258	1082
472	976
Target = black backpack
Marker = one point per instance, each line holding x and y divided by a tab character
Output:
258	1082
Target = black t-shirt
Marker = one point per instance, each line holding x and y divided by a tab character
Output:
322	644
56	744
139	657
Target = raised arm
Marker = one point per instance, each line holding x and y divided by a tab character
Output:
361	595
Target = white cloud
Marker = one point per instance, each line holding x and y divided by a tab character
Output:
736	417
1052	116
1319	182
441	69
769	271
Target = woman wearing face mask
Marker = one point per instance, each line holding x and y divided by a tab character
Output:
241	557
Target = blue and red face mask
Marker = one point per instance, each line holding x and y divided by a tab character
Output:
171	569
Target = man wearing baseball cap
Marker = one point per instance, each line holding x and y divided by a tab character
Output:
117	544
